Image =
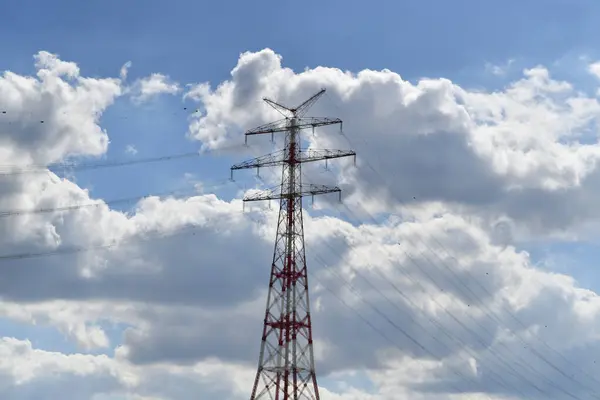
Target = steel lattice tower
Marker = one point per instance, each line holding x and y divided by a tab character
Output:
286	367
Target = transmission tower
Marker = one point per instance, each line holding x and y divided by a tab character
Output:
286	368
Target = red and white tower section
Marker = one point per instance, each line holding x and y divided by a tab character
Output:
286	368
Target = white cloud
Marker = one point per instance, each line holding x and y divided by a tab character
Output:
499	70
594	69
125	70
528	151
156	84
188	283
37	128
27	373
130	149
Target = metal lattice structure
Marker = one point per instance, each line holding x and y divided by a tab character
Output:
286	368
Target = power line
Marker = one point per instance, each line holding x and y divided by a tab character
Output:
367	321
113	243
435	322
509	312
397	327
73	207
491	314
504	362
8	170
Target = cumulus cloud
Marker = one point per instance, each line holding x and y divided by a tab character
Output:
37	128
527	153
452	308
151	86
517	158
27	373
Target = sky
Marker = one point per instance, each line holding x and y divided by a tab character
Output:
460	265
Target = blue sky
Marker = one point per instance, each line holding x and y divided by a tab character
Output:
201	40
193	41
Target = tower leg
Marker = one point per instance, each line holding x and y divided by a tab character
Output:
286	362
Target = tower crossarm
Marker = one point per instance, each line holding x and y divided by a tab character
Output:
268	160
325	154
279	158
315	122
305	190
283	125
